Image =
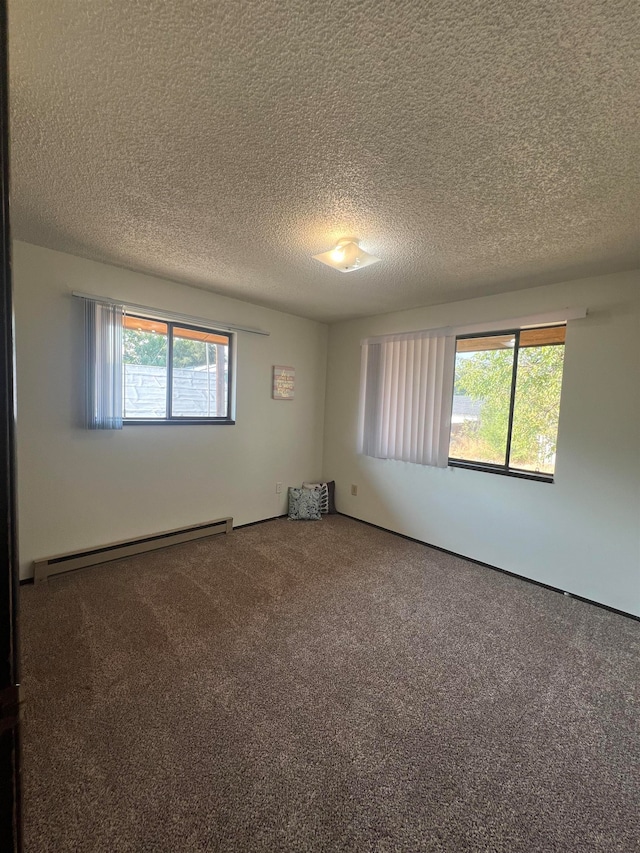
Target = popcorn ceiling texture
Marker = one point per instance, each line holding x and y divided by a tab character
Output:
475	146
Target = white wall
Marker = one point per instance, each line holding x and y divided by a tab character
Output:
79	488
581	533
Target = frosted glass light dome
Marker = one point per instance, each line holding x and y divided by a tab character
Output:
347	256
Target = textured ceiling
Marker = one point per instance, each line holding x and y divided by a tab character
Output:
476	146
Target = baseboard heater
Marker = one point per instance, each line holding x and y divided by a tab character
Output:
44	569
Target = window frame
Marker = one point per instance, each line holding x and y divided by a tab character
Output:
170	420
492	468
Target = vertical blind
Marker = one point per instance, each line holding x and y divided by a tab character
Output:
405	397
103	342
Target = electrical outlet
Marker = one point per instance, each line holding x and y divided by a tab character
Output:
354	490
278	488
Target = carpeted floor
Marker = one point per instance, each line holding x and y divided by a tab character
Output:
325	686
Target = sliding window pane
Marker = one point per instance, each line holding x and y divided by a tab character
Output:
536	409
145	368
200	374
482	395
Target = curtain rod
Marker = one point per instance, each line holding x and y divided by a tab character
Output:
157	313
530	321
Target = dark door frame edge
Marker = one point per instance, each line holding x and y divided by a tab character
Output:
10	779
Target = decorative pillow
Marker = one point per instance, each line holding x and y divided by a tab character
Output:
330	491
304	504
323	492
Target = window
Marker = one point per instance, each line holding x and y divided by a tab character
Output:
174	373
506	401
485	397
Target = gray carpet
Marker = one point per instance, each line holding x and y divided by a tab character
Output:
325	686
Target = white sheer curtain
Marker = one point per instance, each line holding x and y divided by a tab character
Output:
103	342
405	397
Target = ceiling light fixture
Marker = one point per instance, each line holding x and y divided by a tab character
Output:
347	256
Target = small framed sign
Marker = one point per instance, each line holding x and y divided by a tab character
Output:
284	380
